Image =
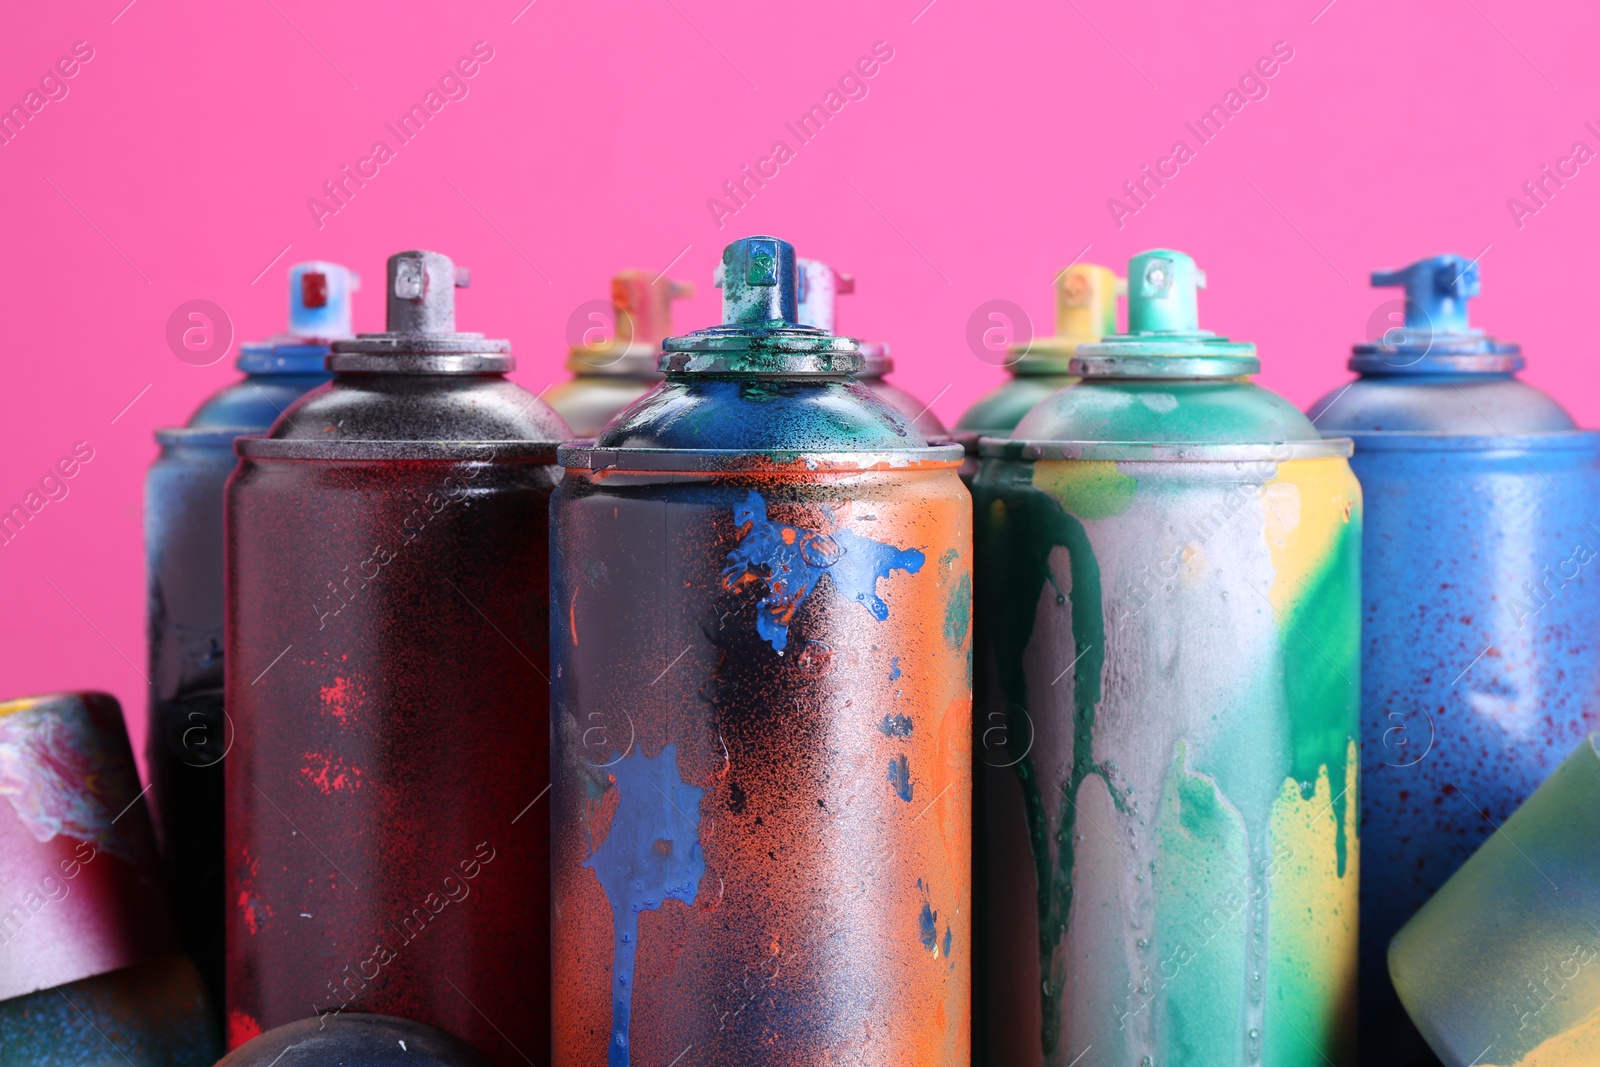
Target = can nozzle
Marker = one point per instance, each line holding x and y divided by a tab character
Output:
643	307
820	288
1437	291
1162	293
759	284
1086	303
319	300
422	296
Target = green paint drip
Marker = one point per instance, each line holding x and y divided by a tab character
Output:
1321	682
1018	529
1201	915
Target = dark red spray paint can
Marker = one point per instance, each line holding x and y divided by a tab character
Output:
387	634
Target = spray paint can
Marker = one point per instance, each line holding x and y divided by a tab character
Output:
355	1040
387	577
1479	667
1167	710
760	677
820	288
88	954
616	362
1086	310
188	733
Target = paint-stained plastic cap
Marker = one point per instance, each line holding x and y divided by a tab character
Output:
761	331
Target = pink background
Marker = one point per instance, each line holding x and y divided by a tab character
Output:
979	164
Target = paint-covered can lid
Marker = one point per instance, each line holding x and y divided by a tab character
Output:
1086	311
80	886
1435	335
1164	338
421	335
761	332
319	314
641	318
355	1040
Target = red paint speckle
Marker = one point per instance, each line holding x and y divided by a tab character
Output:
342	698
329	774
241	1028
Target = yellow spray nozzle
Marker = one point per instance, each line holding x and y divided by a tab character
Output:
1086	303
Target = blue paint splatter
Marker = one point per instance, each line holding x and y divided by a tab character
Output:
652	852
929	924
900	776
894	669
790	560
896	726
947	942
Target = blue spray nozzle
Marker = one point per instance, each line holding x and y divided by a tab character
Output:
319	300
759	284
1437	291
1162	293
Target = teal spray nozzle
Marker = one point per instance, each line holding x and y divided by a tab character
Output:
319	300
1163	293
1437	291
1164	338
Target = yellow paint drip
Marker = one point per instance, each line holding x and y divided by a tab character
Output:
1307	506
1312	921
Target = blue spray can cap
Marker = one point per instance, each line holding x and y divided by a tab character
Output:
319	313
319	300
1435	323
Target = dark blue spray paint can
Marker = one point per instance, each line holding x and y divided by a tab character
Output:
188	733
1480	617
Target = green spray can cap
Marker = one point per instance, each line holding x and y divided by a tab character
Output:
1164	338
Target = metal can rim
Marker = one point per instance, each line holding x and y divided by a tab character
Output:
202	436
1434	441
1165	452
445	451
584	456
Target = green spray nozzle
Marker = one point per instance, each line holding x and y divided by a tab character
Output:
758	282
1162	293
1437	291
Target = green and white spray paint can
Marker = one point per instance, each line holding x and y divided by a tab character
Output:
1167	632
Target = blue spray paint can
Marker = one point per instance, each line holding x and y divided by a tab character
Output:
188	733
761	711
1480	619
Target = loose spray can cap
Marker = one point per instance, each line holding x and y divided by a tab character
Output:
80	885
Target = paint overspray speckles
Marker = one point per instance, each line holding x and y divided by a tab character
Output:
651	853
791	559
900	776
894	668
